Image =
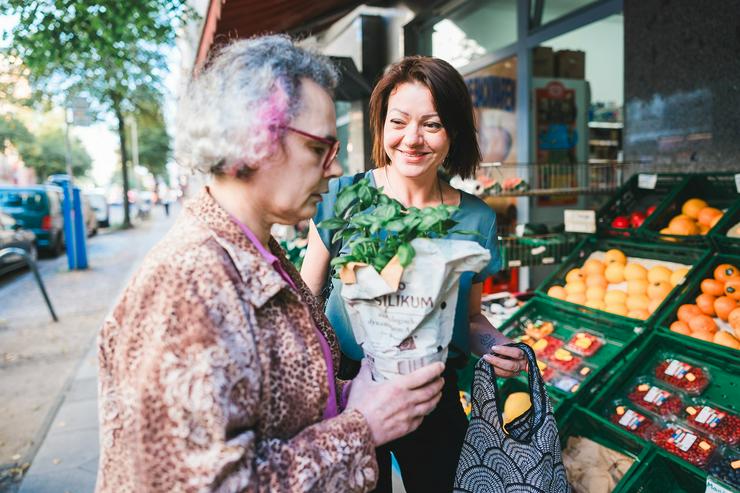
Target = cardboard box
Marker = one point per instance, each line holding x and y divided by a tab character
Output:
543	62
570	64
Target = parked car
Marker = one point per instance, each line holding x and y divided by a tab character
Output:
39	209
13	236
100	206
88	216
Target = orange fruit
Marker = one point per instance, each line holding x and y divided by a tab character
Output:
558	292
707	214
637	286
575	287
614	273
577	298
678	276
732	288
687	312
715	221
723	272
659	273
596	281
595	293
593	267
726	339
703	335
616	309
667	231
574	275
595	304
705	302
634	271
713	287
723	306
703	229
615	255
639	314
692	207
659	290
680	327
637	302
703	323
654	304
734	318
615	297
683	226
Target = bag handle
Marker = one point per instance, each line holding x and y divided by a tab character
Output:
537	392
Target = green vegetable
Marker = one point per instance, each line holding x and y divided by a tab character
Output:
378	227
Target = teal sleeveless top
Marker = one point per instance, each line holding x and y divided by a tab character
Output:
473	215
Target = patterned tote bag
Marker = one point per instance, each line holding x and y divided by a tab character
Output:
526	458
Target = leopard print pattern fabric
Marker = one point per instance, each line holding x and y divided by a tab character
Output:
212	377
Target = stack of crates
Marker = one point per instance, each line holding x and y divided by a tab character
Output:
669	401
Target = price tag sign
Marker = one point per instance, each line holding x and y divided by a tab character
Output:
716	486
647	181
737	182
579	221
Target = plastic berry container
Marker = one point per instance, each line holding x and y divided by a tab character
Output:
682	375
545	370
624	416
655	399
584	343
564	382
539	328
565	361
726	467
546	346
689	445
721	425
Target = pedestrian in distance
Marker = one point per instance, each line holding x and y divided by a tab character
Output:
217	364
421	118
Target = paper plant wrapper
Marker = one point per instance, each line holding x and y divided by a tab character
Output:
404	324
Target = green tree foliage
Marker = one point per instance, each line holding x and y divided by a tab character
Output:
13	131
108	49
154	141
47	154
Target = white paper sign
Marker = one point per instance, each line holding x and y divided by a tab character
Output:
579	221
647	181
737	182
715	486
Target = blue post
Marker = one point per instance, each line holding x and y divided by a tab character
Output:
69	225
80	232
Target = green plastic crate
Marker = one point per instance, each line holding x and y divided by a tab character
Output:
717	189
723	389
718	235
631	197
631	248
660	474
584	423
688	293
618	337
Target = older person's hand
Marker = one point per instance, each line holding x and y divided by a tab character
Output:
396	407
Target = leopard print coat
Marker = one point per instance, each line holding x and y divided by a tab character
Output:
212	377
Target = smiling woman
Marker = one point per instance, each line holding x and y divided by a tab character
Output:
217	366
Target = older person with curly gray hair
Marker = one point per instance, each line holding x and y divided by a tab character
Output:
217	364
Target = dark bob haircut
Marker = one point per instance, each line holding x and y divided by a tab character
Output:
451	100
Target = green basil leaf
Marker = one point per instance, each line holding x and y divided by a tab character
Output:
332	223
406	254
344	200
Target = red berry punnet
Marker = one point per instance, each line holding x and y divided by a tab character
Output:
655	399
683	376
722	425
690	446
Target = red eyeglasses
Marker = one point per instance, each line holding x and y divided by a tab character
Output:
332	142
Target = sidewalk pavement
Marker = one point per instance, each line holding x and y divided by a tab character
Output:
67	460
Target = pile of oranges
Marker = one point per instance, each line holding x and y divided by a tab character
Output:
696	218
720	297
646	288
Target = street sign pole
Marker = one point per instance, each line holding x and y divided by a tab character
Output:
69	211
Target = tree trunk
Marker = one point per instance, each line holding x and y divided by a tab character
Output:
124	167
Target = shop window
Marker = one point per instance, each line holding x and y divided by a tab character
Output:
476	28
555	9
350	134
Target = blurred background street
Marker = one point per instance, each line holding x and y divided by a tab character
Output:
39	358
